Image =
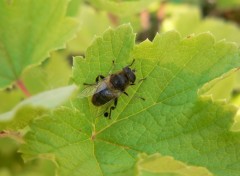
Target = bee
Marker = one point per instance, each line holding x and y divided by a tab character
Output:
108	89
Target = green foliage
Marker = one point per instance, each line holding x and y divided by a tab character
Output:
17	112
157	165
188	21
53	73
38	79
236	125
11	162
25	50
74	7
228	4
124	8
13	97
85	36
30	108
90	27
178	130
28	31
173	120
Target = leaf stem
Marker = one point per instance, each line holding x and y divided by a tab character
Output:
23	88
13	135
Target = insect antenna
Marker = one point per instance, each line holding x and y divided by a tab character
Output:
89	84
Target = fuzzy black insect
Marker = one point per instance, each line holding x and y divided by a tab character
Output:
111	87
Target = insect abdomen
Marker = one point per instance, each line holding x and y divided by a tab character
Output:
102	97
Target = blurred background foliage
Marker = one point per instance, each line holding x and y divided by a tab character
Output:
189	17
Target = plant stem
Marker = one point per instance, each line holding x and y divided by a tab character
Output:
17	136
23	88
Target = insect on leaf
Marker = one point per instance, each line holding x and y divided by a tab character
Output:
173	121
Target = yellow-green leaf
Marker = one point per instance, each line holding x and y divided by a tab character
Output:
158	165
28	31
173	121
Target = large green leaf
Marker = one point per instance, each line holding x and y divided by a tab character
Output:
173	120
28	31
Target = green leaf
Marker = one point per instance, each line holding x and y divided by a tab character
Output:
88	16
17	119
221	88
13	97
73	7
157	165
28	31
52	74
12	163
228	4
236	125
187	20
172	121
124	8
30	108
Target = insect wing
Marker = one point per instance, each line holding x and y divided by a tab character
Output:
92	89
88	91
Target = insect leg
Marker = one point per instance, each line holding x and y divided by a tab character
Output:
88	84
113	107
142	98
138	81
136	96
115	102
131	63
99	76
